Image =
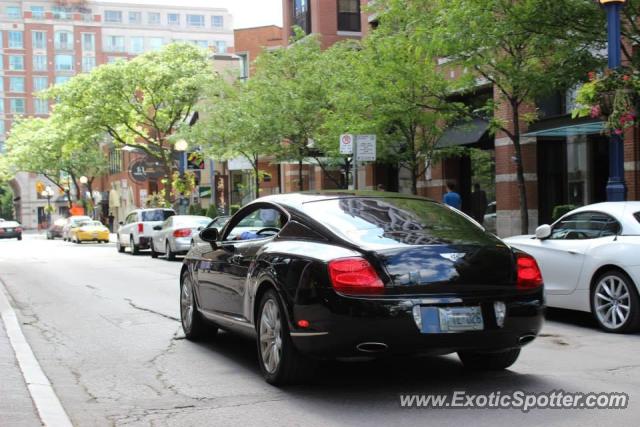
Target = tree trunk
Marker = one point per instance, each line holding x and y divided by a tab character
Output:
522	190
256	170
300	180
414	179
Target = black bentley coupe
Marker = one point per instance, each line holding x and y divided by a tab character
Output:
347	274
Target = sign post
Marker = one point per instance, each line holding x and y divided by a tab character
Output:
362	148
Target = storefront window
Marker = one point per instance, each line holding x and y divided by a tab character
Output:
302	15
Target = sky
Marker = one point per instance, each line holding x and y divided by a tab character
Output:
246	13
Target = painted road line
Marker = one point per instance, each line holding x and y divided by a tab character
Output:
44	397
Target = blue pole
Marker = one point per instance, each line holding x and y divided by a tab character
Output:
616	188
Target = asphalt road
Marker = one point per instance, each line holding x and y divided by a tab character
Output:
104	327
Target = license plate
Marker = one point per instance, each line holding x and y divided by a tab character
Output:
437	320
9	230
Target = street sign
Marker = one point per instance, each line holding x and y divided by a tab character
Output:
346	143
366	148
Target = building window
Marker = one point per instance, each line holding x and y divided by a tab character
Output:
114	44
39	40
88	42
16	62
155	43
16	84
195	20
221	46
17	105
1	87
217	21
137	44
1	106
349	15
41	106
14	12
201	43
88	63
37	12
112	16
135	17
63	40
39	62
40	83
173	19
16	40
116	161
61	12
302	15
244	65
153	18
62	79
64	62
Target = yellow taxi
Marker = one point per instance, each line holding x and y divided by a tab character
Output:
89	231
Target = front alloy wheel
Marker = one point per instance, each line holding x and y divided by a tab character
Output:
194	326
615	303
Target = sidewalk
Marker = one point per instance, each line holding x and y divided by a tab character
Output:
16	406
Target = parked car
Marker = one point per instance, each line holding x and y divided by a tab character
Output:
589	261
360	274
56	228
71	222
10	230
218	222
136	230
90	231
173	236
490	218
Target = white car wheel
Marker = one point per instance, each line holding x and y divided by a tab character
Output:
615	303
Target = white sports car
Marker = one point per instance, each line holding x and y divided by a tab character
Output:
590	261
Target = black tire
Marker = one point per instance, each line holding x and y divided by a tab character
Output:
49	237
494	361
171	256
292	367
632	322
20	237
154	254
135	249
195	327
119	246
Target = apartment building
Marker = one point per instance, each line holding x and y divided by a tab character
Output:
43	43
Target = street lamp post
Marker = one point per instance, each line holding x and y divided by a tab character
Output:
616	188
182	146
48	194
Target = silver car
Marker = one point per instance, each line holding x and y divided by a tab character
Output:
174	235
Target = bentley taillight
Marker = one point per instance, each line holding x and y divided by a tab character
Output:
529	275
354	276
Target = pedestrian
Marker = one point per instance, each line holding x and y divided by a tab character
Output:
452	198
478	203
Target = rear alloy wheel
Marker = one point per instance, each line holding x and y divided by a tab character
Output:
195	327
280	362
135	249
154	254
170	254
615	303
494	361
119	244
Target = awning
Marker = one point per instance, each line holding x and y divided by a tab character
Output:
464	133
570	130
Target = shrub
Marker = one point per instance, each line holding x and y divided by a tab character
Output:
233	209
212	211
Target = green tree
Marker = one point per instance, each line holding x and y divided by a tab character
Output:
139	103
493	40
57	150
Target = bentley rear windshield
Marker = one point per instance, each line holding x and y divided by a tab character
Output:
389	221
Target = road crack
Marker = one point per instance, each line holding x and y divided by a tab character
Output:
148	310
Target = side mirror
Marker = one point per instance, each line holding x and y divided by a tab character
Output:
120	222
210	235
543	232
157	227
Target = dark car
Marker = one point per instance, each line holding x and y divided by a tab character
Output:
359	274
56	228
10	230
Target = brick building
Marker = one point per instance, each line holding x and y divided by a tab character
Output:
47	42
565	160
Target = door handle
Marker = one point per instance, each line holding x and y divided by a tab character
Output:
572	252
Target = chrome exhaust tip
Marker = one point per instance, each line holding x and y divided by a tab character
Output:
525	339
372	347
